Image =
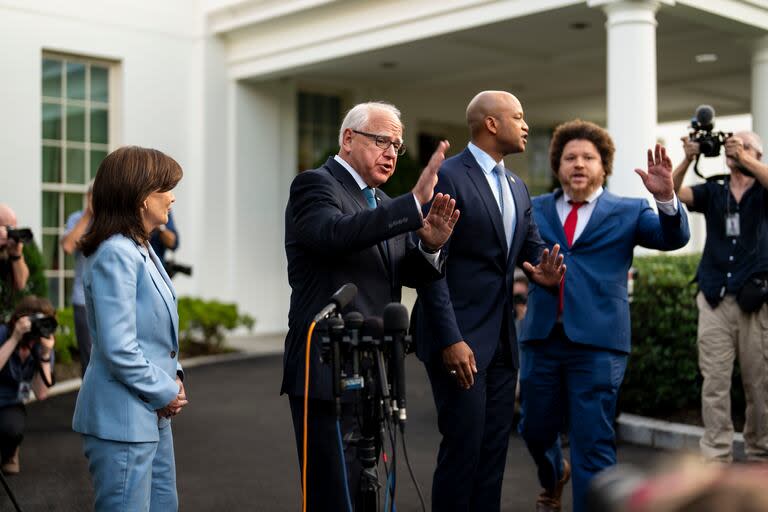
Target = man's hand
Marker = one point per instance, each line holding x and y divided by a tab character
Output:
734	148
690	148
439	222
658	179
22	327
550	270
174	406
425	187
459	360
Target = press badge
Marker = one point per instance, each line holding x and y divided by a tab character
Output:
25	391
732	226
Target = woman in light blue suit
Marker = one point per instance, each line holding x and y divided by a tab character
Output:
133	384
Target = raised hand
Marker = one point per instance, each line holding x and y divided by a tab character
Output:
425	186
439	222
658	178
550	270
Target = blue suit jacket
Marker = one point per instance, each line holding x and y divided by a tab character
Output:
595	304
133	321
470	302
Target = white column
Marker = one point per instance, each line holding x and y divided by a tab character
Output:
631	105
760	89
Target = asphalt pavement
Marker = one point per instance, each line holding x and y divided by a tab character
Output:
235	448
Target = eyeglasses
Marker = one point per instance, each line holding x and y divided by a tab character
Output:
384	142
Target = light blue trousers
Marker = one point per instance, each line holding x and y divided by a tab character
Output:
133	477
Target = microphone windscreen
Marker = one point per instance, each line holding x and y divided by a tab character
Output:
353	320
705	114
344	295
395	317
373	327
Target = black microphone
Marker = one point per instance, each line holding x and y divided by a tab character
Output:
395	326
705	115
372	328
339	300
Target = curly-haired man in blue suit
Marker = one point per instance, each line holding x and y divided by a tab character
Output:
575	343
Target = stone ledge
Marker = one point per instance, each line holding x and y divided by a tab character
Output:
666	435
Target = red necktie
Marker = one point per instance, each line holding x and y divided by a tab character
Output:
570	228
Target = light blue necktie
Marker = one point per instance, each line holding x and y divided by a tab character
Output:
507	210
370	197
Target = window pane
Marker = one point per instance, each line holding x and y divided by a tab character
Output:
51	164
50	209
75	81
69	282
99	125
52	78
75	123
53	291
51	121
96	158
99	84
76	166
51	251
72	203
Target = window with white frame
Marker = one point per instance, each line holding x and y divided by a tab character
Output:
75	125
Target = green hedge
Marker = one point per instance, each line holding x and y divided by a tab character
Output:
66	341
204	324
662	374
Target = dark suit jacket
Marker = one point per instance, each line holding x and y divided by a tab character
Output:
470	302
333	238
595	305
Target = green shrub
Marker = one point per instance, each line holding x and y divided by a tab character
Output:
66	341
662	374
204	324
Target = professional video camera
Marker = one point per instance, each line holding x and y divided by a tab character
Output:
710	142
19	235
367	359
42	326
172	268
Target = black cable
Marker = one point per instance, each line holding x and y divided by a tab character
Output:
410	469
9	492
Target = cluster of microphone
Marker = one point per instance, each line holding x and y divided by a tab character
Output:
366	352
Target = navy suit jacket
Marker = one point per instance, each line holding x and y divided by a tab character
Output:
595	303
469	304
332	238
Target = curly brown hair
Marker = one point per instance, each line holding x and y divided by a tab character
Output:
581	130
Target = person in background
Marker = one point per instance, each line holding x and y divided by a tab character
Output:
733	316
77	224
26	365
14	271
520	298
165	238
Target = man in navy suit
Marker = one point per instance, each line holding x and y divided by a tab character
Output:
340	228
464	324
575	343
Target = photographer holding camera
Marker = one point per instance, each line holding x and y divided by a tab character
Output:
14	271
26	365
733	317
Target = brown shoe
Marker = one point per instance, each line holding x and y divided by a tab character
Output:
549	500
11	466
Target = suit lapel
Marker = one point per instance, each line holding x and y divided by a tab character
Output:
353	189
477	177
550	213
519	235
164	287
605	205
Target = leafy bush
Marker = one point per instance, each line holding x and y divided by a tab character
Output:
662	375
36	283
204	324
66	341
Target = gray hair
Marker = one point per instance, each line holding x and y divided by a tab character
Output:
752	139
358	116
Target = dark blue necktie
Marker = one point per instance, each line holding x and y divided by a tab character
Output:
370	197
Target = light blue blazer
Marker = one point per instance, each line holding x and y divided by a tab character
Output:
133	318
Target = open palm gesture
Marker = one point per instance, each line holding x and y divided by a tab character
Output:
658	178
